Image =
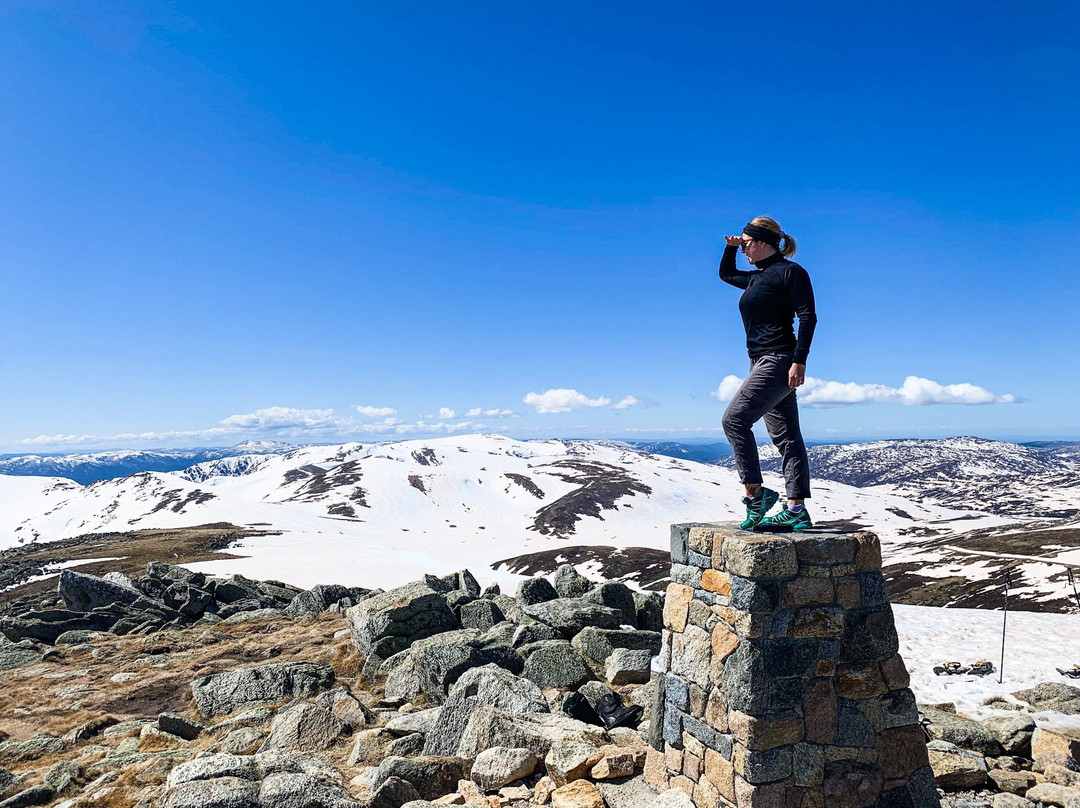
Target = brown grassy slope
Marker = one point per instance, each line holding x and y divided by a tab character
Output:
73	689
133	550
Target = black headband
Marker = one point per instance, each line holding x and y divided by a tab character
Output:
758	233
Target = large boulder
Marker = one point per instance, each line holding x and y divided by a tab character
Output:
432	776
221	792
84	593
628	667
570	583
554	663
34	747
617	596
650	611
535	590
501	765
347	707
170	573
303	790
224	693
316	600
422	721
1055	696
580	794
390	622
1053	794
402	680
1060	746
598	643
1013	732
956	768
370	746
534	632
963	732
488	685
570	759
480	614
537	732
210	767
571	615
304	727
440	661
48	625
394	793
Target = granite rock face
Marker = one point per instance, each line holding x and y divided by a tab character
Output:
571	615
83	593
224	693
390	622
555	663
782	685
489	686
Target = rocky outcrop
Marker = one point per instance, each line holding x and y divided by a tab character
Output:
224	693
167	596
488	686
472	715
390	622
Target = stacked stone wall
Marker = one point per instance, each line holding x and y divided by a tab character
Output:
781	684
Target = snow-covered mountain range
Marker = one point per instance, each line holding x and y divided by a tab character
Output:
1041	480
427	503
382	514
91	467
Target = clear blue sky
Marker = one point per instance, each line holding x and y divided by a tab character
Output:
231	220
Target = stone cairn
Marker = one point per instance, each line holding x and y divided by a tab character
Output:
780	684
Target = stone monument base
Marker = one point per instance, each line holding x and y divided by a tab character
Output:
781	684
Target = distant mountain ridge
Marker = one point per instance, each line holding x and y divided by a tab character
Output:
398	509
1035	480
91	467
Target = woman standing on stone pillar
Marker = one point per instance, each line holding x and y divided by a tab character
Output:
775	292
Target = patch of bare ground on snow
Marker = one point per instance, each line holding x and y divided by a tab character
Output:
600	486
133	551
643	566
990	548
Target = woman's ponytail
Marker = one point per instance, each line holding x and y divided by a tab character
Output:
787	243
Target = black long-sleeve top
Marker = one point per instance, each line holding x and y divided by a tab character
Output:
776	293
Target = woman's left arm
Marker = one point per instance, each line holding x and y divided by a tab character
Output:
801	294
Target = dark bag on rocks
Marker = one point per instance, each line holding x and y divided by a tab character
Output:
577	706
614	713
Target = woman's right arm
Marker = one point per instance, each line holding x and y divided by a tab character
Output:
728	272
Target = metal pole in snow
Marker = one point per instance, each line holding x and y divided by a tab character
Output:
1004	620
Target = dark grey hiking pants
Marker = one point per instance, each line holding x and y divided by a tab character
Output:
765	394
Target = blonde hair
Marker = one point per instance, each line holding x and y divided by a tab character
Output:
787	248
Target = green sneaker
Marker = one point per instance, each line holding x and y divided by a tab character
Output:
757	507
786	521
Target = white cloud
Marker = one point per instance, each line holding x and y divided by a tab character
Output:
914	392
127	437
282	417
563	400
375	412
290	423
476	412
626	401
444	414
729	385
392	426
